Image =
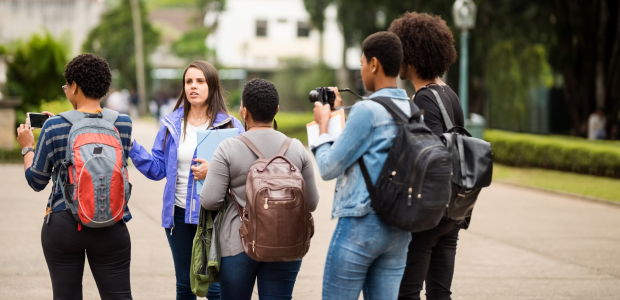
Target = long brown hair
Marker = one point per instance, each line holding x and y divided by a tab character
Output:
215	101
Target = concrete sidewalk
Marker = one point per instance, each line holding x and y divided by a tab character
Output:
522	244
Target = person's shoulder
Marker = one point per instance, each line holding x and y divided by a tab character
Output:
123	118
54	123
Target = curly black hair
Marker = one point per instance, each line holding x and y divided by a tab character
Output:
388	50
428	44
261	99
91	73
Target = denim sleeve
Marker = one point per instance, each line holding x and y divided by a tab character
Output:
152	166
333	158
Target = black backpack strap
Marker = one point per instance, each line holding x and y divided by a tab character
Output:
369	185
394	110
444	113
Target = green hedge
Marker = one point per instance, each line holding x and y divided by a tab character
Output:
562	153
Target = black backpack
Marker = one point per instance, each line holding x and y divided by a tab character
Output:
472	159
413	188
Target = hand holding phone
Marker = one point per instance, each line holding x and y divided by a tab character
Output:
37	120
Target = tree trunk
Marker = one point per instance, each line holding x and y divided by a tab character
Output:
138	42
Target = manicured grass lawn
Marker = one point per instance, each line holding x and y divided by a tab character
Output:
586	185
291	124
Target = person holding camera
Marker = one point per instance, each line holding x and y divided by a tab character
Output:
428	48
365	253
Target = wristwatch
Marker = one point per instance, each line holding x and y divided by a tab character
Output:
26	150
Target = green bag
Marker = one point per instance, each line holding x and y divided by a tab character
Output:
206	257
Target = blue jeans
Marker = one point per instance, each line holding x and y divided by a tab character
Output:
275	279
366	255
181	240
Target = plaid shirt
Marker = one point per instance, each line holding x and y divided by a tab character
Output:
50	152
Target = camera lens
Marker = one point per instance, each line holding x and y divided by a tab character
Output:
313	96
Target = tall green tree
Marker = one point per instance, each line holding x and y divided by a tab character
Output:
113	39
35	72
316	10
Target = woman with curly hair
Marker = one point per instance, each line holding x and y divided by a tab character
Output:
65	243
428	52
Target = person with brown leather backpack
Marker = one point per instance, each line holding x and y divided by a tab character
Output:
267	225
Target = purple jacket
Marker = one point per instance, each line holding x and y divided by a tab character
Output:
160	164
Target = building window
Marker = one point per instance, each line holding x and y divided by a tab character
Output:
261	28
303	29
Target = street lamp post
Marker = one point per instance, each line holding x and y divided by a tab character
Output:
464	13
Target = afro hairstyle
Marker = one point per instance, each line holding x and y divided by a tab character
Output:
261	99
91	73
428	44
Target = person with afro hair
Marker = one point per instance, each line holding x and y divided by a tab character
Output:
228	169
428	52
65	244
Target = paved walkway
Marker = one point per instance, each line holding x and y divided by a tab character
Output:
522	244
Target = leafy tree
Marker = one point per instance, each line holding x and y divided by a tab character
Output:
191	46
113	39
35	72
316	9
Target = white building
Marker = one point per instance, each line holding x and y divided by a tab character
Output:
72	19
257	35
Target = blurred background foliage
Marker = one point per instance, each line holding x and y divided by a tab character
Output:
295	80
35	72
113	39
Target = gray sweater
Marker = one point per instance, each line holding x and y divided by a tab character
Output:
229	168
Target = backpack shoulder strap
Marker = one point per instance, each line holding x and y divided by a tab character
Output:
394	110
285	145
110	115
444	113
250	145
73	116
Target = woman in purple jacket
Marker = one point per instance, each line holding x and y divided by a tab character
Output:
200	106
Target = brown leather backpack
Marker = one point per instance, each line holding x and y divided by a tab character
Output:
276	223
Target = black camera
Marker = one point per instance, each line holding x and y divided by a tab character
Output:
324	95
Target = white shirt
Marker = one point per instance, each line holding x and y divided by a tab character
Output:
185	154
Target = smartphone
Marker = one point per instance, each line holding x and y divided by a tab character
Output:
37	120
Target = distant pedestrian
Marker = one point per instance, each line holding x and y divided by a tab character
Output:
65	242
596	125
428	48
200	106
118	101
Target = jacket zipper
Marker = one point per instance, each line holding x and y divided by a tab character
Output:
415	167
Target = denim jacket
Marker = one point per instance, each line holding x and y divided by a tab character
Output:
160	164
368	133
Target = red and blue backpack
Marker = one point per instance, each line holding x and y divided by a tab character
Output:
95	188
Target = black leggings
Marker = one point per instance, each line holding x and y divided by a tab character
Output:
109	255
431	258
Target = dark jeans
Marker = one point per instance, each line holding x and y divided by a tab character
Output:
430	258
275	279
108	250
181	240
